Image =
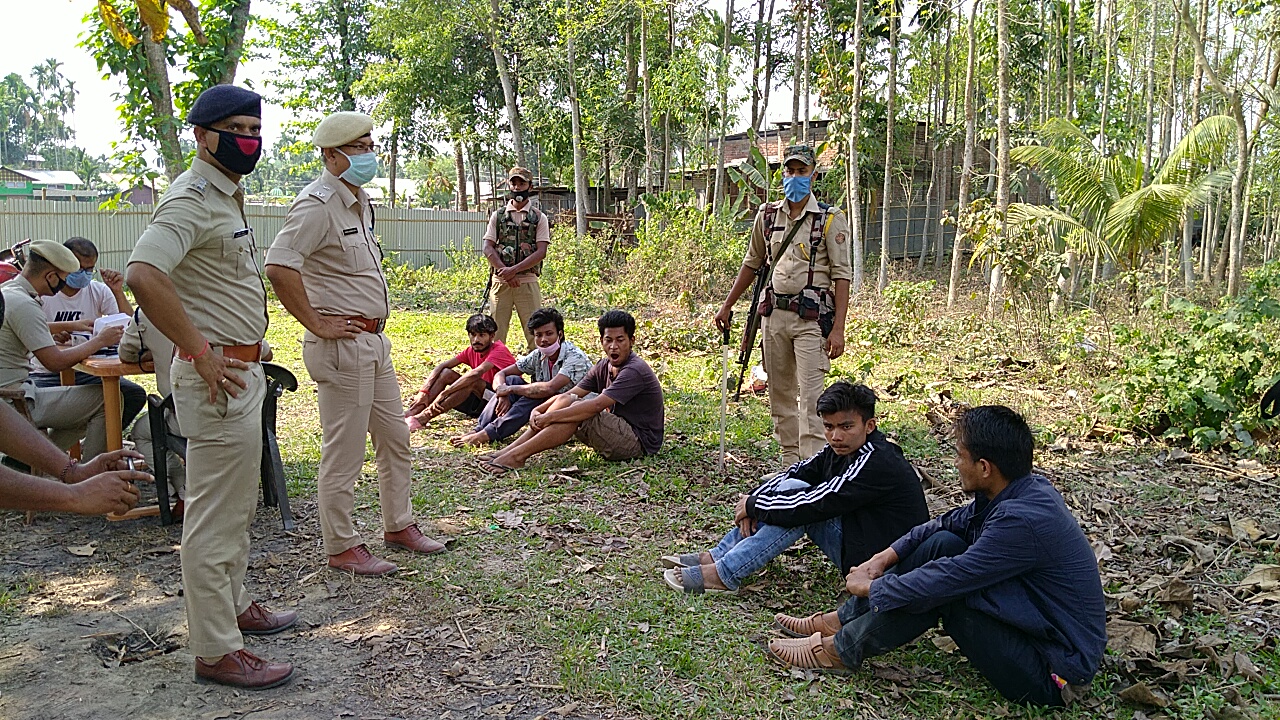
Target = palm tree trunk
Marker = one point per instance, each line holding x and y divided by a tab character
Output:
883	280
1002	135
722	80
966	170
579	153
857	242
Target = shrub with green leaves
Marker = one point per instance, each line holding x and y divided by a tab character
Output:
1196	375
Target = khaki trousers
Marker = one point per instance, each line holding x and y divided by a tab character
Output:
224	460
797	366
526	299
359	395
71	413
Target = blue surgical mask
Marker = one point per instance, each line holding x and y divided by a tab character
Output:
796	188
79	279
364	167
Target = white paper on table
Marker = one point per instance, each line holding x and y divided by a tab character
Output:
106	321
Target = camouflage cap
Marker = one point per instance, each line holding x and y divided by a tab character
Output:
803	153
520	172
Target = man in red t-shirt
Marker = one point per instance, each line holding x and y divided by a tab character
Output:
447	390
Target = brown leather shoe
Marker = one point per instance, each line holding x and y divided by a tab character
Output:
257	620
360	561
412	539
243	669
178	510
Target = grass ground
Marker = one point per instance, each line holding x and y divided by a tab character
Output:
562	556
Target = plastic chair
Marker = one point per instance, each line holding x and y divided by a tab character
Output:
275	491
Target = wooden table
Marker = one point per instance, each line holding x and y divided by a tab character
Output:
111	369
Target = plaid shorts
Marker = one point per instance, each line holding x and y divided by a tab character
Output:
610	436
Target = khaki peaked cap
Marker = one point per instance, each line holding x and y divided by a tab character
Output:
341	128
58	255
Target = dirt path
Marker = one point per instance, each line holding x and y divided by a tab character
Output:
104	636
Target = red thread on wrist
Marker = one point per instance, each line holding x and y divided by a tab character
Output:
202	352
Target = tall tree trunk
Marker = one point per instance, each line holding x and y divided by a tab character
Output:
891	95
970	143
460	169
796	69
161	95
647	114
579	153
394	161
1149	93
475	177
945	172
805	74
1105	100
630	173
346	94
722	81
1166	117
1071	60
497	31
768	69
238	12
1002	143
858	241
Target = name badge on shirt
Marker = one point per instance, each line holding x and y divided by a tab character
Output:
241	233
350	231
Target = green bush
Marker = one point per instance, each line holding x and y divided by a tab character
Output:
1196	375
459	287
575	271
684	253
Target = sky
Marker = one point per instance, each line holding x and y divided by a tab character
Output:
96	121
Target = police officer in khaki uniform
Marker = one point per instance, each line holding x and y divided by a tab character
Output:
515	243
73	412
812	272
196	277
326	267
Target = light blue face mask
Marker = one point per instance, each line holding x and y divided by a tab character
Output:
796	188
364	167
79	279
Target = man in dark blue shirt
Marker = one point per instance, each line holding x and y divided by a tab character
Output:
1011	576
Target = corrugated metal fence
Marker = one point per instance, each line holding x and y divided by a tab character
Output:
418	237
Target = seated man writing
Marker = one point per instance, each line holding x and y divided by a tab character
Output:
72	312
553	367
624	420
1011	576
73	412
852	499
447	390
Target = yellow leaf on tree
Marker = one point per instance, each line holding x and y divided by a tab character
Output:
156	16
115	24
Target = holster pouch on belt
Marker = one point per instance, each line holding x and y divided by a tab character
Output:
811	303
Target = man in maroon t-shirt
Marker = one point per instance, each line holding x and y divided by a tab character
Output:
447	390
624	420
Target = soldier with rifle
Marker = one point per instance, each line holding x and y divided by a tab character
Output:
515	244
799	259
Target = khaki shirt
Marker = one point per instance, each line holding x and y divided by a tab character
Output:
541	234
792	272
24	330
328	237
141	335
199	237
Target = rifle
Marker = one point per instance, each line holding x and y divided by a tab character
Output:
484	301
749	331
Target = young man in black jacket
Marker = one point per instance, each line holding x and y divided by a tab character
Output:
853	498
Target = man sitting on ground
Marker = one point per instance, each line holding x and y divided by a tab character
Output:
625	420
852	499
73	412
554	366
1011	576
73	311
446	390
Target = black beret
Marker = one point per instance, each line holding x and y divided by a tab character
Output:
223	101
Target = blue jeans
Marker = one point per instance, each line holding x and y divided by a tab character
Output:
500	427
738	557
1005	655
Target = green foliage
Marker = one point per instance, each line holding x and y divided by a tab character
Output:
1196	374
574	273
460	287
684	251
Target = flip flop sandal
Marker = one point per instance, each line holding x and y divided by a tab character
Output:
806	654
798	627
680	561
488	456
689	580
494	468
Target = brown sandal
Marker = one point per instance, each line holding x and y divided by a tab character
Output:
807	654
804	627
